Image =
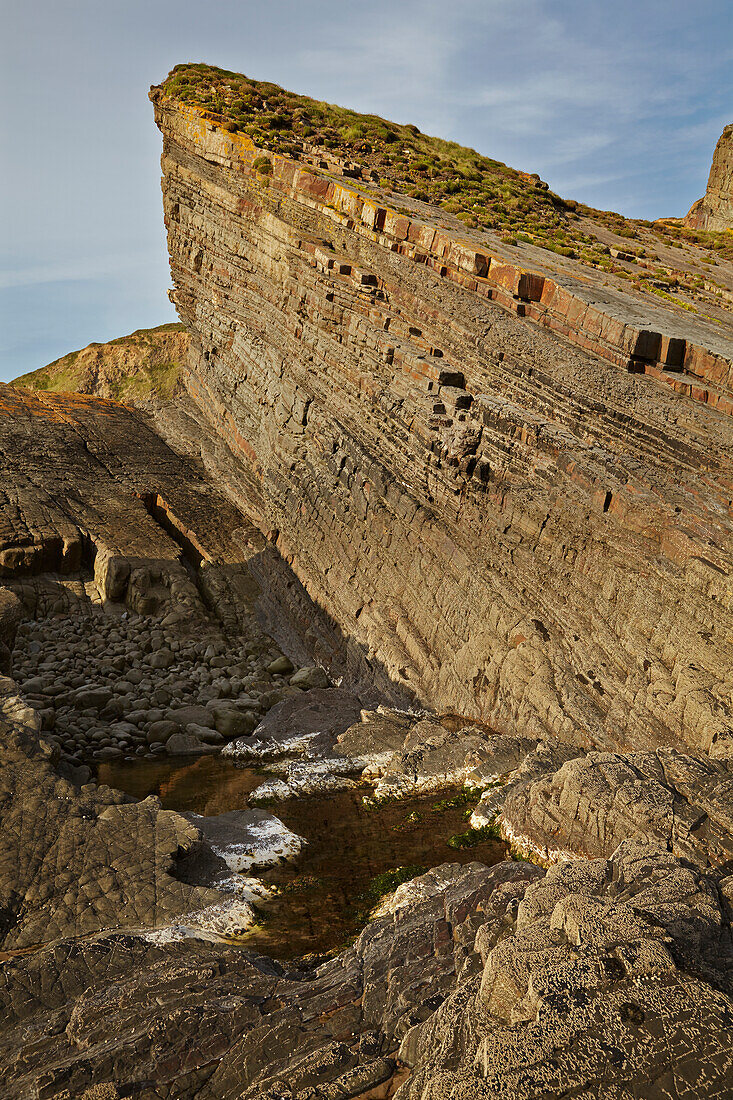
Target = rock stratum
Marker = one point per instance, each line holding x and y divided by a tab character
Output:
421	508
715	209
510	487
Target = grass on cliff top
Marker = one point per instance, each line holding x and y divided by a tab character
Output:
70	374
481	192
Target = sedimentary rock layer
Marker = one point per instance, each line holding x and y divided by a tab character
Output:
472	468
88	483
715	209
473	982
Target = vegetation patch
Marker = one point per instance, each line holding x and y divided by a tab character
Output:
467	796
472	837
131	369
388	881
481	192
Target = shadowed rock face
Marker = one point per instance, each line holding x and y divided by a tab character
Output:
459	458
715	209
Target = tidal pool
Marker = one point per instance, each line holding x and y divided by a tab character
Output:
324	897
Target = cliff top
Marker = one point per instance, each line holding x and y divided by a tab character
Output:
692	270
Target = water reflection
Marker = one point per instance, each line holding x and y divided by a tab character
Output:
324	898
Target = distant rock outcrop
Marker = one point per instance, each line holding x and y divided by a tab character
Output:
715	209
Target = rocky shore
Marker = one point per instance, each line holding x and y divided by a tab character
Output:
516	980
111	687
426	521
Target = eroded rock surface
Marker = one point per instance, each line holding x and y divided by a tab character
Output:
714	210
76	857
473	982
604	977
461	458
594	802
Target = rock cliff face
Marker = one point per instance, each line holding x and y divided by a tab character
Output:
510	486
715	209
504	490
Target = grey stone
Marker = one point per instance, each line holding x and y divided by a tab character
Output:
280	666
187	744
311	677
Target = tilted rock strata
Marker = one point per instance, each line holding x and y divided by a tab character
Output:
509	526
555	808
88	484
474	981
715	209
603	979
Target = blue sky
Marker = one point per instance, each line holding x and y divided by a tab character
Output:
618	104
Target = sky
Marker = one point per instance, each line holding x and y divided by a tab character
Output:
618	104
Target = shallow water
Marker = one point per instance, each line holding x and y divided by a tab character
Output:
324	896
204	785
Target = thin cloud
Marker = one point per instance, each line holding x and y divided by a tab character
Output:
76	270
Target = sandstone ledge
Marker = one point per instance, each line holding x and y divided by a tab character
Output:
598	320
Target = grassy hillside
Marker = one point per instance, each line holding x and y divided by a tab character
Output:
131	369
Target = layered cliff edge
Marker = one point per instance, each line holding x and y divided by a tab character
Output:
715	209
503	478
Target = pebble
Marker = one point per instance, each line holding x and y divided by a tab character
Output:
134	685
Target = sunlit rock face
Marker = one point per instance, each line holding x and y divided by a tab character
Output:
714	210
475	470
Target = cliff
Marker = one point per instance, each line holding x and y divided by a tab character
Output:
137	368
503	473
714	210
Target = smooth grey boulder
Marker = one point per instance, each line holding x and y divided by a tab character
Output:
161	731
308	678
280	666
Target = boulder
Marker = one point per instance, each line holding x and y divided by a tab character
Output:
161	731
235	723
311	677
184	743
280	666
164	658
